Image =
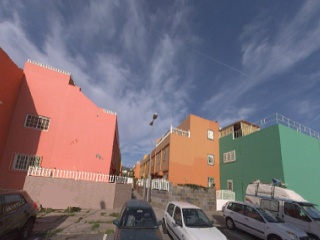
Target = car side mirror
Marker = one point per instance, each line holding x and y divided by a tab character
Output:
116	222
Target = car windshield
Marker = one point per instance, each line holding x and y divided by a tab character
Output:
268	216
311	210
138	218
196	218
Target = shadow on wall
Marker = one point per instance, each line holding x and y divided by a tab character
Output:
102	205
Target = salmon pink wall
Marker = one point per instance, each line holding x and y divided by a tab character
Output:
81	136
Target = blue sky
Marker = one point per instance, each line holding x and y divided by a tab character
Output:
221	60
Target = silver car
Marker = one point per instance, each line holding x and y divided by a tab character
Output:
259	222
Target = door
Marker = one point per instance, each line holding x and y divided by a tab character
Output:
177	224
294	214
254	223
168	217
237	214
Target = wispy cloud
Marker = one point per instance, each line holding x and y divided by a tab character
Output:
131	57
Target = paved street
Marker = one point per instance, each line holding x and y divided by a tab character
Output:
97	224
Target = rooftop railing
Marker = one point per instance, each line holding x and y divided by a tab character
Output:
176	131
278	119
76	175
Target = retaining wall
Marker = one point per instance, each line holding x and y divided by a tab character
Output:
58	193
205	199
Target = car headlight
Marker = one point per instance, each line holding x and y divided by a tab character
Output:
293	236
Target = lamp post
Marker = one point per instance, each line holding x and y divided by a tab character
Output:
155	115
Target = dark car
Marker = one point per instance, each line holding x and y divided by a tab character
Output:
137	221
17	214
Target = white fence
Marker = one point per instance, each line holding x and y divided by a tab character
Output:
160	184
76	175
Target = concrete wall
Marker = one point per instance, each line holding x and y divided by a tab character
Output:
201	198
62	193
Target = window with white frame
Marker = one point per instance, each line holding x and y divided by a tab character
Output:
229	156
210	159
230	185
37	122
21	162
210	182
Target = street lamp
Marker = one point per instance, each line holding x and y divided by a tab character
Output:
155	115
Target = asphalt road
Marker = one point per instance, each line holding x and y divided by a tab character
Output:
230	234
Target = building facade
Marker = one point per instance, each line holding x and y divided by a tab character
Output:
47	121
284	150
188	154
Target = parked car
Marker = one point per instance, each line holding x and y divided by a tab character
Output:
17	214
186	221
287	205
137	220
259	222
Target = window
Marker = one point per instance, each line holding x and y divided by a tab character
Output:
295	211
210	135
252	213
22	162
210	159
210	182
170	209
236	207
158	158
229	156
37	122
12	202
230	185
164	154
271	205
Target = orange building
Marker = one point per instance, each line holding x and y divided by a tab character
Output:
188	154
47	121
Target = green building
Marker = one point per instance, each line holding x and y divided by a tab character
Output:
276	147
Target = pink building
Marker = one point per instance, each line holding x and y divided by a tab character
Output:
45	120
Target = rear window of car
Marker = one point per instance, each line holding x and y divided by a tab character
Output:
236	207
12	202
138	217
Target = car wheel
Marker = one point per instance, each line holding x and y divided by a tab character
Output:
274	237
164	227
230	223
27	229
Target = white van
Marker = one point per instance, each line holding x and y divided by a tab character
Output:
286	205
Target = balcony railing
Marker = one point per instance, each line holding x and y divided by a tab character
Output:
76	175
176	131
160	184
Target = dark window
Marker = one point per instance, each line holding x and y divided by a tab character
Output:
170	209
12	202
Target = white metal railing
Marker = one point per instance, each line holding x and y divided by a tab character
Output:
277	119
76	175
176	131
160	184
225	195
